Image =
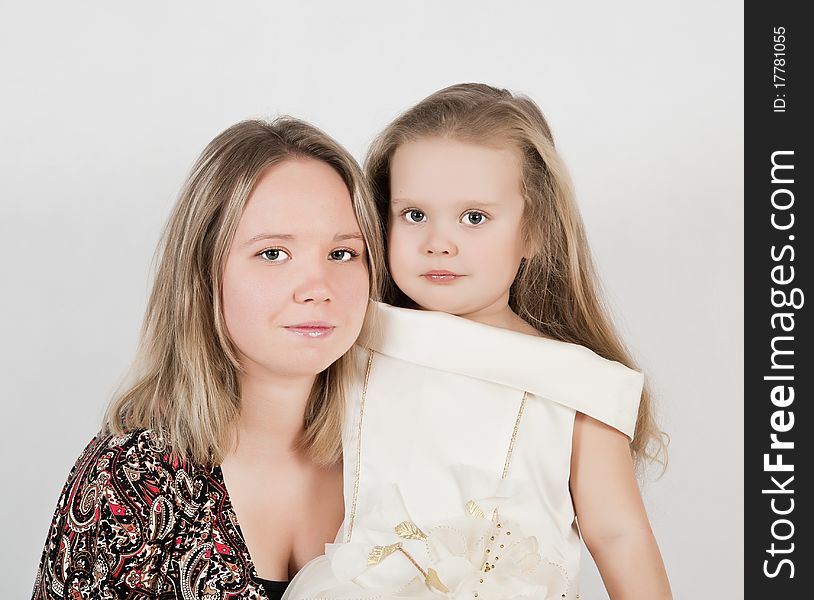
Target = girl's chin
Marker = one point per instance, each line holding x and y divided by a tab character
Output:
453	308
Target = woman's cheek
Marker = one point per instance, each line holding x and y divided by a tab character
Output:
350	283
362	285
353	291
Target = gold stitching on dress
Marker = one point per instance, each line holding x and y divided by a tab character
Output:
433	580
473	509
410	531
359	444
359	447
430	575
514	437
379	553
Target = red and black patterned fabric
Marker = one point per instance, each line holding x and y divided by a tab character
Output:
133	523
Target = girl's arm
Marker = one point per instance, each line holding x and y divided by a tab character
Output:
611	514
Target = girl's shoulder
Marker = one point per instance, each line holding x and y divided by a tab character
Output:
563	372
410	334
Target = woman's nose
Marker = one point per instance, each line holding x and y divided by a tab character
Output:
314	288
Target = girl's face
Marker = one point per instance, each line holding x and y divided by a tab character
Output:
295	284
454	238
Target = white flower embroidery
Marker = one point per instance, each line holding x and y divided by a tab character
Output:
476	555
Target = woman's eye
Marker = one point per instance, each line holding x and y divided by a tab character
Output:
275	255
343	255
415	216
473	218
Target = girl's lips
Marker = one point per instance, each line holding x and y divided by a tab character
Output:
441	276
316	329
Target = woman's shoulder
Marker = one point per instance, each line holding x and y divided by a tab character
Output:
137	448
122	481
126	500
138	464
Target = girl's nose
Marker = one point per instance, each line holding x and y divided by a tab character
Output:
439	244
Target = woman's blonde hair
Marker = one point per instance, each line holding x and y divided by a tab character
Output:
186	385
556	289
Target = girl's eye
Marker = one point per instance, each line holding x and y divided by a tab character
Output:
474	217
275	255
415	216
343	255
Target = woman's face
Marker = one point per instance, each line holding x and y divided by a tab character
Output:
295	284
454	237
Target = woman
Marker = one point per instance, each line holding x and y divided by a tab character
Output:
218	472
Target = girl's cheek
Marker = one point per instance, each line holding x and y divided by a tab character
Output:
400	243
396	259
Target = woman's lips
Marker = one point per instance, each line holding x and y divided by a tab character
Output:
441	276
312	329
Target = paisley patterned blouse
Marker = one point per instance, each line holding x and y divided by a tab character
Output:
133	522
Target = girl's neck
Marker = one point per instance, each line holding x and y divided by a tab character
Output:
501	315
509	321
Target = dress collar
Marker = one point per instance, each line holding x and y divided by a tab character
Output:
566	373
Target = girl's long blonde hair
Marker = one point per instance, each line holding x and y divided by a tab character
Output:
185	375
556	289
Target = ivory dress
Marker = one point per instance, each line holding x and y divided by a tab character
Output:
457	450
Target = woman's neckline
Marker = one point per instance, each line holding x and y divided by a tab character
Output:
217	471
273	582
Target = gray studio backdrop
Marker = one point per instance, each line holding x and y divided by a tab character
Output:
105	106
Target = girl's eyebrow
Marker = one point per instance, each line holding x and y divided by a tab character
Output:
461	203
339	237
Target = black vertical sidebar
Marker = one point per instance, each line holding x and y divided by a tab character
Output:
779	369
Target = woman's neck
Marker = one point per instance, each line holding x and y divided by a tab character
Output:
272	410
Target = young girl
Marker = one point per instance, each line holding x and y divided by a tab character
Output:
501	423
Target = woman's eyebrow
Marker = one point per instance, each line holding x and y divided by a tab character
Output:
287	236
268	236
348	236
